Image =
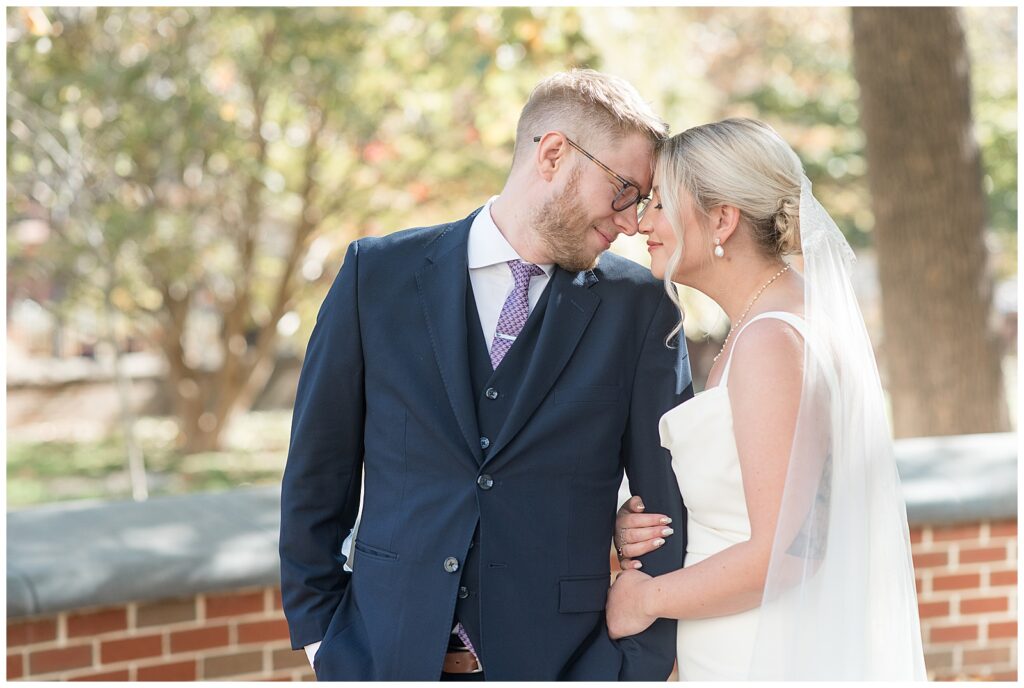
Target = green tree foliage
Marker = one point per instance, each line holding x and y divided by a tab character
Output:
208	166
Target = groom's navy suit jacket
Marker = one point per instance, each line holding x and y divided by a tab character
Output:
386	397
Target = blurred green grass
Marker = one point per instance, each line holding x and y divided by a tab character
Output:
57	470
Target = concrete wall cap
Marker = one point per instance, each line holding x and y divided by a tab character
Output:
85	554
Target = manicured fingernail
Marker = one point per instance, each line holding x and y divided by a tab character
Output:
666	520
659	542
641	506
667	531
638	565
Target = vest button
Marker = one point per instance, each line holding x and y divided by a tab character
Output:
451	564
484	443
485	482
463	592
491	393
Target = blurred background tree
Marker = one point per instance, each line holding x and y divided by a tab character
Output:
203	167
943	354
201	171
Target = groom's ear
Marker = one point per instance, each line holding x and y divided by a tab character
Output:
551	154
725	220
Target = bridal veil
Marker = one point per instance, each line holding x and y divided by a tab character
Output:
839	600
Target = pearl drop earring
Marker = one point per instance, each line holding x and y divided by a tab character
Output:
719	251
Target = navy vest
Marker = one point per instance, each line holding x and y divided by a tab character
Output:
494	391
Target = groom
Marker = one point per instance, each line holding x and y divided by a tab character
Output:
480	385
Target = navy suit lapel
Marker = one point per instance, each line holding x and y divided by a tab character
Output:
442	285
571	305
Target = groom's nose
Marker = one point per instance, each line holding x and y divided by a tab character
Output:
626	220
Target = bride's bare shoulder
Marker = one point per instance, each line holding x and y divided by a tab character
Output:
768	356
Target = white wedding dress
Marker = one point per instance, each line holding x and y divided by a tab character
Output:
699	435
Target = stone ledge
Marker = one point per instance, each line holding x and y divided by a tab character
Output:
960	478
87	554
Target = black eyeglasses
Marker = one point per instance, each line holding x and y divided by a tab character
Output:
628	195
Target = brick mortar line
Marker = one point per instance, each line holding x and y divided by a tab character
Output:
268	659
978	620
62	626
994	645
946	596
969	543
954	605
1006	562
969	567
268	598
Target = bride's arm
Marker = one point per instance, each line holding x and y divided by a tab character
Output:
764	391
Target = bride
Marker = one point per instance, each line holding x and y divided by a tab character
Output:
797	554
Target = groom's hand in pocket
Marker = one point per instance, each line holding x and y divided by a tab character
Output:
637	532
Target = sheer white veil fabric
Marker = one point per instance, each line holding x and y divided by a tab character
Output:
840	601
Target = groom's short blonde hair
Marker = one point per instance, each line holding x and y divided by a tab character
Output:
589	107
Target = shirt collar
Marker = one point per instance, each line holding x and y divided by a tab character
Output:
488	246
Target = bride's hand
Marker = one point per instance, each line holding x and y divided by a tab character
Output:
624	612
638	533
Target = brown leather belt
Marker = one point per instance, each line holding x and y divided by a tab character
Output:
461	662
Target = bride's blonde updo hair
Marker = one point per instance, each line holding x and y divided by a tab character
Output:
739	162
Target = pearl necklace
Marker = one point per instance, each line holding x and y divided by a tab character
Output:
749	306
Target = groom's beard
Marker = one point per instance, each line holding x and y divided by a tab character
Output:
563	225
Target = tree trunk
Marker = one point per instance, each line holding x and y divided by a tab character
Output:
941	351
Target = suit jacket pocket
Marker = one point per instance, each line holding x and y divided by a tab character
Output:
593	394
583	593
375	552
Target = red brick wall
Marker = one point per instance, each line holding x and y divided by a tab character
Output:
967	589
967	595
237	635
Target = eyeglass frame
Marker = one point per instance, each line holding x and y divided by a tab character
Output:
641	200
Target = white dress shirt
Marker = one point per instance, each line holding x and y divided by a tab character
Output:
491	281
490	277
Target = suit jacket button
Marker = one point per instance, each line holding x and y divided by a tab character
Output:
451	564
484	443
463	592
485	482
491	393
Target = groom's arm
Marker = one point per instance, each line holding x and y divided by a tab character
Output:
650	655
321	486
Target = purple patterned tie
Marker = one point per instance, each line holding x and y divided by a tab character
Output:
515	311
